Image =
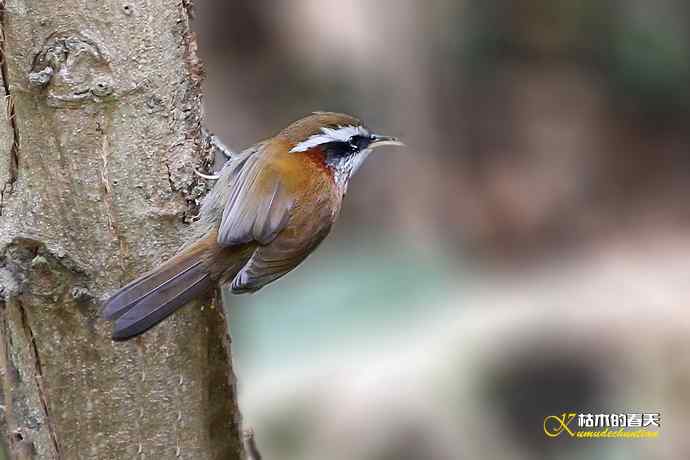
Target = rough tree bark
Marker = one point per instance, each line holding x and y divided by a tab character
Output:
97	150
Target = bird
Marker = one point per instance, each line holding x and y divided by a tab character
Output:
271	206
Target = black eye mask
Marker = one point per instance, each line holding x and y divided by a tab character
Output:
360	142
339	149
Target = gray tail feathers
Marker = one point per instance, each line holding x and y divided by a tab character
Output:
151	298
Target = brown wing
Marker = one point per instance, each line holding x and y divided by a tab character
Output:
317	203
258	206
282	201
269	263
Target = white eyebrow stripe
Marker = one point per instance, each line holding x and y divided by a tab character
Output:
340	134
313	141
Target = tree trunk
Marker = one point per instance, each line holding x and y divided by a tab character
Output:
97	150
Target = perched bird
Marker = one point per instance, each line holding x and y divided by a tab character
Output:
270	208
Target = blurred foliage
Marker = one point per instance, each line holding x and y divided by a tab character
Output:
651	66
367	290
645	65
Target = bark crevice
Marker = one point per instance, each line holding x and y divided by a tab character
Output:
173	189
38	375
13	157
103	128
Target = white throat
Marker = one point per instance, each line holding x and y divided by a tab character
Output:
347	168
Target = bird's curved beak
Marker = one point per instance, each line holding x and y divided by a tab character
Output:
379	141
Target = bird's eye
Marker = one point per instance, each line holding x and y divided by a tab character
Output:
360	142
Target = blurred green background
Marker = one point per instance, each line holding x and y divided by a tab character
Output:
526	255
